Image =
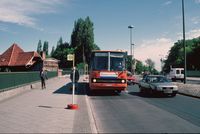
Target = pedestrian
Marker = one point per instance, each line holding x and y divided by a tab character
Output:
43	76
76	75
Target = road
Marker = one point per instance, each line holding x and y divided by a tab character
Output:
132	113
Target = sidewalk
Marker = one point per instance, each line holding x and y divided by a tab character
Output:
44	111
189	89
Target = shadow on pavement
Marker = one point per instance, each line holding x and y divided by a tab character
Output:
149	95
101	92
80	89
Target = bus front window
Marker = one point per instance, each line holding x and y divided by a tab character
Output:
117	62
100	61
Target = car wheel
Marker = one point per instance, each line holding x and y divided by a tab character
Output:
173	94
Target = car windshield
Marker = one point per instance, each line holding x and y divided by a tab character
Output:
157	79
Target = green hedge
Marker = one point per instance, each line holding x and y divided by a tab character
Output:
14	79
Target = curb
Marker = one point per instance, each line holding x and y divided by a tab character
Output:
93	125
91	117
189	95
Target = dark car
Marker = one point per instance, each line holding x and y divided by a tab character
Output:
131	80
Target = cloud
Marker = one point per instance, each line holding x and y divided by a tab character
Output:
189	35
4	28
193	34
21	11
195	20
154	49
197	1
167	3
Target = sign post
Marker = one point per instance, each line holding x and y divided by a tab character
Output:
70	57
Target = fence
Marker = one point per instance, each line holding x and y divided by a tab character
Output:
193	73
15	79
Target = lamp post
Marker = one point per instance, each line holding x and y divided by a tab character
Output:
184	45
131	48
161	60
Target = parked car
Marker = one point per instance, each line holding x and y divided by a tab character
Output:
157	84
131	79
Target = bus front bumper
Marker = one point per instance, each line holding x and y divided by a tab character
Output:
108	86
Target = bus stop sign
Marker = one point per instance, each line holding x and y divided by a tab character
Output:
70	57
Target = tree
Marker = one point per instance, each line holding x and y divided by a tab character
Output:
82	40
139	67
46	47
176	55
150	64
61	52
39	47
52	50
60	41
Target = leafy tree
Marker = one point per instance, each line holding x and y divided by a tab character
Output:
39	47
60	41
61	52
176	55
82	40
52	50
150	64
46	47
139	67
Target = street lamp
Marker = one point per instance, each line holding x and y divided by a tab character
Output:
131	48
185	63
162	61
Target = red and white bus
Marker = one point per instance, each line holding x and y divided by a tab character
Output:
108	71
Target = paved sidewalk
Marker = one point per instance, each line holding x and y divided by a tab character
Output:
189	89
44	111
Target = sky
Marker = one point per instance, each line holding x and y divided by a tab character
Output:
157	24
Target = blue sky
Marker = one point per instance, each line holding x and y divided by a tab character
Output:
157	23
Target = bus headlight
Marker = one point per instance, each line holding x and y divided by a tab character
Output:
94	80
123	81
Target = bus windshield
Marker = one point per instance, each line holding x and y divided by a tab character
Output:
112	61
117	62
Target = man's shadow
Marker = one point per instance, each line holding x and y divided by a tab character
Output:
80	89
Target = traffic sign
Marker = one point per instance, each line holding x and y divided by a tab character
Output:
70	57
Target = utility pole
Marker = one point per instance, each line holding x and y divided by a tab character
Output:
131	49
184	45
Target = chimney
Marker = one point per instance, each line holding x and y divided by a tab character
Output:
43	55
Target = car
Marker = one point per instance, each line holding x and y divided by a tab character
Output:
131	79
157	84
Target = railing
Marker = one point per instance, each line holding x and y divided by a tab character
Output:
15	79
193	73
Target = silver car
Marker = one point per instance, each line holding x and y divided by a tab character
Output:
156	84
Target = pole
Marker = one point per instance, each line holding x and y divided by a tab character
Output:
73	82
131	48
184	45
73	106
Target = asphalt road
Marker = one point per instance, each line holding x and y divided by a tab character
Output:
131	113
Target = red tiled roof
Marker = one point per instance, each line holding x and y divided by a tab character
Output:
15	56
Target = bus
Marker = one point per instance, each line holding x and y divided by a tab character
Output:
108	71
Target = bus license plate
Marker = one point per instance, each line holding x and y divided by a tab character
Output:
108	85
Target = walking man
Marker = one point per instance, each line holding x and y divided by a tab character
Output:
43	76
